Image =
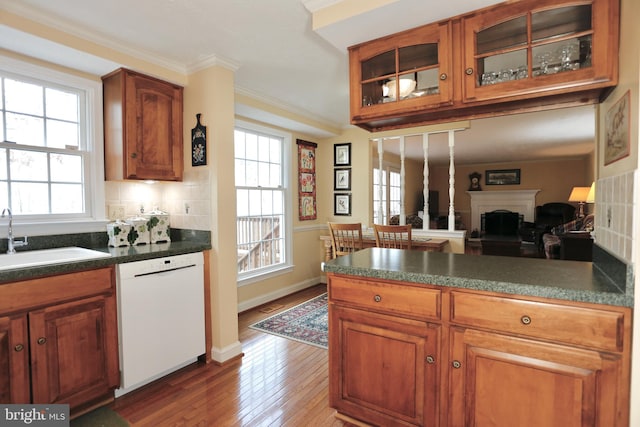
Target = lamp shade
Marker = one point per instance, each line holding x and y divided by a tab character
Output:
579	194
591	197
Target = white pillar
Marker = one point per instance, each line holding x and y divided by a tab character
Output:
380	189
403	217
452	180
425	184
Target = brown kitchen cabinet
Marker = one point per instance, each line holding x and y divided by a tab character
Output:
532	364
513	57
142	127
539	48
401	73
58	340
383	353
406	354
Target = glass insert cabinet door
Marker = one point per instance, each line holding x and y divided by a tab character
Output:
515	50
414	65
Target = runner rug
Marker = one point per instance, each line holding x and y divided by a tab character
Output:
306	323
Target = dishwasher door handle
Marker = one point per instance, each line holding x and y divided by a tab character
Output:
164	271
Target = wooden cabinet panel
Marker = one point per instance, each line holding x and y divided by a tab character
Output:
62	347
406	300
14	360
581	326
143	127
385	371
505	381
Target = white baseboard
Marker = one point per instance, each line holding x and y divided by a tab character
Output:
263	299
221	355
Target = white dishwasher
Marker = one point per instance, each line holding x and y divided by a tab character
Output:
160	317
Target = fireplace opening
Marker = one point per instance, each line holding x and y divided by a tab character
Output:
501	223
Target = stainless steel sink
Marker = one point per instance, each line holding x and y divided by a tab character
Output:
48	256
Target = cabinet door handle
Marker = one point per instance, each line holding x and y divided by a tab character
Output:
42	340
526	320
456	364
18	347
377	298
443	76
468	71
134	155
431	360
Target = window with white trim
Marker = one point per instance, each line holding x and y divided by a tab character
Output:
263	220
390	185
49	158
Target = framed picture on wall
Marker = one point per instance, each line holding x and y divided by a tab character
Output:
342	204
502	177
617	130
342	179
342	154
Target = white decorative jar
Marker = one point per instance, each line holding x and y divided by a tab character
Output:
159	226
118	233
139	234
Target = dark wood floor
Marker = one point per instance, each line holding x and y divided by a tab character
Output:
278	382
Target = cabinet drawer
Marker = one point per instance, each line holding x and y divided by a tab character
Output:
412	301
582	326
28	294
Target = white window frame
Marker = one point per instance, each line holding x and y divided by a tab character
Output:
94	218
387	169
254	276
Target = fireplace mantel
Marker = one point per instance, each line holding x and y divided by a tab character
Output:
521	201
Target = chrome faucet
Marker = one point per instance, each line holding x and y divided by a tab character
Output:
10	242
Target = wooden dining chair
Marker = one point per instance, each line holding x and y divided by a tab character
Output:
345	238
393	236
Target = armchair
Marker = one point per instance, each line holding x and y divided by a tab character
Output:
547	216
571	240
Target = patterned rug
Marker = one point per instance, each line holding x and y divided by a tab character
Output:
306	322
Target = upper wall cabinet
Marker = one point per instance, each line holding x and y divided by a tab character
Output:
142	127
513	57
404	72
516	50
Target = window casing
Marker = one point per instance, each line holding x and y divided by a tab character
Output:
51	161
263	213
390	194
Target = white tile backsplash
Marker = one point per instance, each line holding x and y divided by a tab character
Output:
614	214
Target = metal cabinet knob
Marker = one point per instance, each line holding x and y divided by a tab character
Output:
41	340
134	155
18	347
468	71
431	360
377	298
443	76
526	320
456	364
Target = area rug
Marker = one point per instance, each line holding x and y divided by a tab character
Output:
101	417
306	323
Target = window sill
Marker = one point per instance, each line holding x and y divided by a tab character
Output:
264	274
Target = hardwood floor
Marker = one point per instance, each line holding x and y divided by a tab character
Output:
278	382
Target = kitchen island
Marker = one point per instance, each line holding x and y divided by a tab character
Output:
426	338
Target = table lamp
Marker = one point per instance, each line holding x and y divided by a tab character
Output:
579	195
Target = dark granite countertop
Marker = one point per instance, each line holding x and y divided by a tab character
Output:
118	256
559	279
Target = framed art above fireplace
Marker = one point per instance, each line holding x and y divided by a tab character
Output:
502	177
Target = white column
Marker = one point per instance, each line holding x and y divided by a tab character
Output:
380	189
452	180
403	217
425	183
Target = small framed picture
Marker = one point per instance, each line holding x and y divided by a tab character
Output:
342	204
502	177
342	179
342	154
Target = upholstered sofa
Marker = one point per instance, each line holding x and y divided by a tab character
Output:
562	243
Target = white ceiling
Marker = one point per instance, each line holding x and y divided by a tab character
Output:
278	58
